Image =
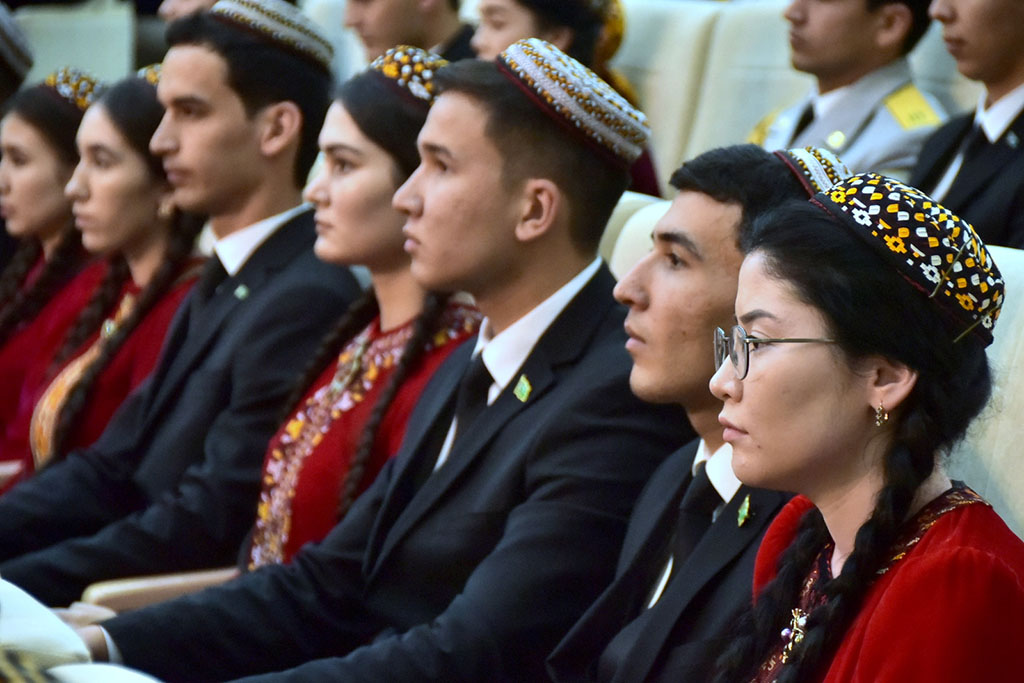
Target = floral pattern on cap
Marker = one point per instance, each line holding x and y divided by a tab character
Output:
412	69
933	248
817	169
150	73
280	22
575	94
76	86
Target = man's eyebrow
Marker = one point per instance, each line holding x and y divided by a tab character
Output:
680	239
436	150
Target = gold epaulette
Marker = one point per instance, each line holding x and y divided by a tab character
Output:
910	108
760	132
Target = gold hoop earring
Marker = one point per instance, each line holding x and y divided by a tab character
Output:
881	415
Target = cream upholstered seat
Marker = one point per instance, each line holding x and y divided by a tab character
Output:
635	238
747	75
989	459
663	55
628	204
97	36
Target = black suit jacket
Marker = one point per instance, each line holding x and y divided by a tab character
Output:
989	189
689	625
475	575
172	482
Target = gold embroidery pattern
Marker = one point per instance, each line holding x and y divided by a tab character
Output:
48	409
361	363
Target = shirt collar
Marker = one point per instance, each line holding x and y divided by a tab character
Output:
719	469
506	352
824	104
235	249
997	118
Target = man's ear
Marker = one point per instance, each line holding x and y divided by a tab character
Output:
541	202
893	22
280	127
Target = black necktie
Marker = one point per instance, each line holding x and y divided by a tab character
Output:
974	142
213	274
695	513
805	120
471	398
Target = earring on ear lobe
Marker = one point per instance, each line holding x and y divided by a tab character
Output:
165	210
881	415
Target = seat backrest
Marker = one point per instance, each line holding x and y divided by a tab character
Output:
628	204
97	36
635	238
747	75
988	458
663	55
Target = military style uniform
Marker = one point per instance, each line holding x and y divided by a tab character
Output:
879	123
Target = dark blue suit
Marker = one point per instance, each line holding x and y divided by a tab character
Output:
172	483
476	574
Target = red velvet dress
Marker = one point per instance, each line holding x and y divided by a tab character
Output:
949	605
31	348
27	438
309	457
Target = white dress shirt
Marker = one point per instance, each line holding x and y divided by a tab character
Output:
235	249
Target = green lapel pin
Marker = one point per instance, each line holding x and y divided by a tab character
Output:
241	292
744	513
523	389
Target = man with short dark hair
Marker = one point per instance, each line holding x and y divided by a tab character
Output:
864	105
687	563
499	519
173	481
430	24
975	163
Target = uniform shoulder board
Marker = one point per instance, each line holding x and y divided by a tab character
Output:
910	108
760	132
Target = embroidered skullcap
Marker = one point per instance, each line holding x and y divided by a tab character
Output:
75	86
14	48
411	70
577	98
150	73
281	23
933	249
817	169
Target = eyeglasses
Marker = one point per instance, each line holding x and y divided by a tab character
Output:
735	347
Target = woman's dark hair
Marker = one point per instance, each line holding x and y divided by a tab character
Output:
392	120
870	310
56	119
134	110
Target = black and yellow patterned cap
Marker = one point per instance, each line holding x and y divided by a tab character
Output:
75	86
577	98
935	250
411	70
816	168
279	22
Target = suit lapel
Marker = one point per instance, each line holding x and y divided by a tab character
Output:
723	542
284	245
563	341
939	151
979	171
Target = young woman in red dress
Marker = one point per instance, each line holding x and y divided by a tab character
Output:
47	282
859	359
348	412
121	204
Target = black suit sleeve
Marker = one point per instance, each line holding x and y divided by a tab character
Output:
200	522
587	459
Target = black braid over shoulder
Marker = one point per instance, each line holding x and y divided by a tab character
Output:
426	323
180	248
870	310
13	276
66	262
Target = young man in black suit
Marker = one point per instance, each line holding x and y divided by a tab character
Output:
173	482
500	518
975	163
686	567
